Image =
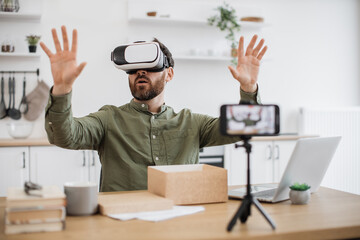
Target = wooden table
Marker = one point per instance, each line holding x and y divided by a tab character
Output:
330	214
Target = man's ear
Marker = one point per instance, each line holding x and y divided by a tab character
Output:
170	74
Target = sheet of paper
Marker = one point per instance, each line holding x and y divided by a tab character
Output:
156	216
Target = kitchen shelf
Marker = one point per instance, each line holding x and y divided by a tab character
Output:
210	58
14	54
19	16
169	20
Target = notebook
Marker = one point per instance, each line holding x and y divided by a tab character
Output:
308	164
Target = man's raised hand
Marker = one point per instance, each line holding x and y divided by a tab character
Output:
64	67
247	69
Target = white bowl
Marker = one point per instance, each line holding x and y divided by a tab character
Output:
19	130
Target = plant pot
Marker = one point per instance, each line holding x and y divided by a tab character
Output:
32	48
234	52
299	197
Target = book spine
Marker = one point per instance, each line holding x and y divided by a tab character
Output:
34	215
29	228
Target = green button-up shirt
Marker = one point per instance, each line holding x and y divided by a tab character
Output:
129	138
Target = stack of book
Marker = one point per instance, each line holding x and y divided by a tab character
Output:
43	212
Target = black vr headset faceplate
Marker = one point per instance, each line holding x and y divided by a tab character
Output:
139	56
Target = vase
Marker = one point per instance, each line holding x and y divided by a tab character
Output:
32	48
299	197
234	52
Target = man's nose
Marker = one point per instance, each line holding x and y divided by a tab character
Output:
141	72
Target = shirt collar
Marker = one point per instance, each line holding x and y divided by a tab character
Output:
142	107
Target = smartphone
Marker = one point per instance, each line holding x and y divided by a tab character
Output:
248	119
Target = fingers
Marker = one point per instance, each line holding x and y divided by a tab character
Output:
251	51
56	40
46	49
241	48
74	41
80	68
251	45
65	38
258	47
234	73
262	53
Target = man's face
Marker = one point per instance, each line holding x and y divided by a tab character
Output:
146	85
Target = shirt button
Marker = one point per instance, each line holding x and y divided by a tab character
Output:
153	117
143	105
50	123
154	136
156	158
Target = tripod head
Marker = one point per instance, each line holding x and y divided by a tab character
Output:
246	144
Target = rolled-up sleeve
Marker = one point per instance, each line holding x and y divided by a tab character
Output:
66	131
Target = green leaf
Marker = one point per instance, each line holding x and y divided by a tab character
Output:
299	187
226	20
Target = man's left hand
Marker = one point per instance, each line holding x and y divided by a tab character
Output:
247	69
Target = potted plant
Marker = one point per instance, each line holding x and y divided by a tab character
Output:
299	193
226	20
32	41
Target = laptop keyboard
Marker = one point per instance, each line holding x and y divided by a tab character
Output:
269	194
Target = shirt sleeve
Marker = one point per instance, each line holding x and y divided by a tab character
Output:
209	132
209	127
66	131
250	97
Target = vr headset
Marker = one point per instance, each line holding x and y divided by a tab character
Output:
139	56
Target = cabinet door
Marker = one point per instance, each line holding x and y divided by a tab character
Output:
14	167
282	151
94	167
235	163
55	166
261	164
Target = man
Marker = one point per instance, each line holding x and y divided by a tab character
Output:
145	131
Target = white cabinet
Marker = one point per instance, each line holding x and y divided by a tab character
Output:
46	165
55	166
94	166
14	167
268	160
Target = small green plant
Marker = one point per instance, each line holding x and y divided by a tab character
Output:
226	20
32	40
299	187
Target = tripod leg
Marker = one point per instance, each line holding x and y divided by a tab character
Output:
247	209
263	212
238	213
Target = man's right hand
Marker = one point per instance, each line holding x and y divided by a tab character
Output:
63	63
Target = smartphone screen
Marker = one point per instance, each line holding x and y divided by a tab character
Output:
255	120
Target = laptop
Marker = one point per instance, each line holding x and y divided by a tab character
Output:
308	164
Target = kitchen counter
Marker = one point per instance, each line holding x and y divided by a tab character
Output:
24	142
45	142
282	137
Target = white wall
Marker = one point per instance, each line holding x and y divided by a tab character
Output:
313	57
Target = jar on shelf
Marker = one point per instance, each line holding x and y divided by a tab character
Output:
9	5
7	46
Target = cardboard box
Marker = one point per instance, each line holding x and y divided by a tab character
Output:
133	201
189	184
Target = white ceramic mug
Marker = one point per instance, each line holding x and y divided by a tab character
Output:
81	198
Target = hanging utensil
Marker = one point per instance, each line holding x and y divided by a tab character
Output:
24	105
13	112
2	103
10	91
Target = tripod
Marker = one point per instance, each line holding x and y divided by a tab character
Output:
245	208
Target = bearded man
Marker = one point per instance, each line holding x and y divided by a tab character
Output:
144	132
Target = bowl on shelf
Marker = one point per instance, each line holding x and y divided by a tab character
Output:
151	14
19	130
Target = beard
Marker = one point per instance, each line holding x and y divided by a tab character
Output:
148	91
